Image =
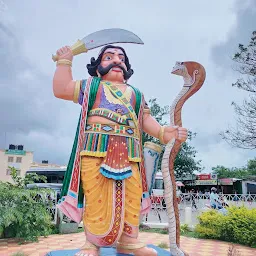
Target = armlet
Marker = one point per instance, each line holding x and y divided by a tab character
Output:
76	91
146	110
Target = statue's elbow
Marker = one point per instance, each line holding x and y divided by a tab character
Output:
62	91
55	87
60	94
55	92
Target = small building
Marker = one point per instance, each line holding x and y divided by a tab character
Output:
200	182
249	185
14	156
231	185
54	173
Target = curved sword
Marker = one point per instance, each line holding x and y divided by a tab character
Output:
101	38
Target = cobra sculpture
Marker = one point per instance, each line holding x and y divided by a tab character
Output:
193	74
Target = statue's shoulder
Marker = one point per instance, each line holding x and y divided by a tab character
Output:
136	90
91	81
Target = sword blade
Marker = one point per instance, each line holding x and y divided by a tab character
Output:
110	36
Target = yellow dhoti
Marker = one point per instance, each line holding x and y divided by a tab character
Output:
111	206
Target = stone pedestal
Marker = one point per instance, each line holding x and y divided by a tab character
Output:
106	252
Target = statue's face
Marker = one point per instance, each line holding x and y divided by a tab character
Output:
113	65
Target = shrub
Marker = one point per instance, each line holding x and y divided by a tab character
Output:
237	226
240	225
209	225
22	213
184	229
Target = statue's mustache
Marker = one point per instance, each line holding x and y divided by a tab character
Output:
103	71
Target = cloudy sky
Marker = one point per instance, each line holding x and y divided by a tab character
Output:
204	31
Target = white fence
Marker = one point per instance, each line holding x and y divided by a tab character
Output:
158	213
198	203
50	202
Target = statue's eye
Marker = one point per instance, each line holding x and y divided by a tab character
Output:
107	58
122	59
181	63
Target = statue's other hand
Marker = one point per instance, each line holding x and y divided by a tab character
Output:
179	133
65	53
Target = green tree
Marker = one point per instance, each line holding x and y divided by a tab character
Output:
185	162
30	178
234	172
251	166
23	212
244	134
224	172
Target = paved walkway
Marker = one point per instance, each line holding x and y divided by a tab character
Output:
195	247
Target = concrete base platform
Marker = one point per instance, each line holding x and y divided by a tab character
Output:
106	252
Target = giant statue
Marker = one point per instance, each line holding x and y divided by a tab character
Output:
108	181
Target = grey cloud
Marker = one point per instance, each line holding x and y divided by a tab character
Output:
27	104
245	12
23	95
204	141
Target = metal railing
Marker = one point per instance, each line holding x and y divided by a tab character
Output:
198	203
50	202
158	214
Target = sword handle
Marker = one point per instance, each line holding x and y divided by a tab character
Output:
55	57
77	48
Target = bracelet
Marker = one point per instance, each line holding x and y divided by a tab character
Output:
161	134
64	62
146	110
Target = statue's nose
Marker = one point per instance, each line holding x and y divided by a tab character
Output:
116	60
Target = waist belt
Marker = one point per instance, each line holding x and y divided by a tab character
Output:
111	115
112	129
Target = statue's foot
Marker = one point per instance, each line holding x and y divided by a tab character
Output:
138	249
88	249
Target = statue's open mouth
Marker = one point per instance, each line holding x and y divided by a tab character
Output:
117	69
178	68
175	70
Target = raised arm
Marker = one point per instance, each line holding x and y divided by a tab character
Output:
63	85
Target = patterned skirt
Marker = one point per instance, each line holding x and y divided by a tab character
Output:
118	145
112	207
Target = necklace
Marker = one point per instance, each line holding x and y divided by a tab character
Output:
111	98
110	83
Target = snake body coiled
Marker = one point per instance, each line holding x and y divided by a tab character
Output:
194	75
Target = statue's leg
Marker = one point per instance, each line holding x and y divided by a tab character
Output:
103	214
128	242
89	171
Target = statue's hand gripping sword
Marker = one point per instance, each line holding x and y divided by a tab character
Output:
193	74
101	38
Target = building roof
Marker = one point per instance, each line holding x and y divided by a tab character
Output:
27	151
46	169
47	165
